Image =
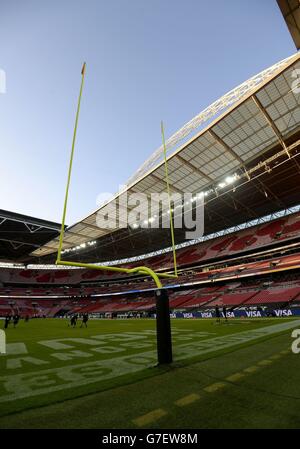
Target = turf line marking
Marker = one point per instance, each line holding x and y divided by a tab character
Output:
265	362
251	369
286	351
275	357
214	387
235	377
150	417
187	400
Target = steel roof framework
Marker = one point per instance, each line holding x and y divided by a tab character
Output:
20	234
291	12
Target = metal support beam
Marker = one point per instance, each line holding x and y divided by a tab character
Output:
17	242
32	228
194	168
230	151
270	123
165	182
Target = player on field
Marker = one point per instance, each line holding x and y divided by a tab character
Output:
7	321
73	321
217	314
16	319
85	319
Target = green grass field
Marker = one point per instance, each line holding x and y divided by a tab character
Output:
236	375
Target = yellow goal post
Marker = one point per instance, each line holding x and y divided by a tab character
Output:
142	269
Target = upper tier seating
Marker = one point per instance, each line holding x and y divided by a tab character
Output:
234	294
233	299
258	237
280	294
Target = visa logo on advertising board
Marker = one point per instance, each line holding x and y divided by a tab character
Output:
253	314
206	314
228	314
188	315
283	312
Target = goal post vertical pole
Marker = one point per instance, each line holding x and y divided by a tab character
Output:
163	321
163	327
62	231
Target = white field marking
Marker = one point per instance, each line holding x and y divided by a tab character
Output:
138	333
109	349
58	379
71	355
136	341
20	361
2	342
235	377
149	417
187	400
214	387
192	336
137	345
265	362
251	369
16	349
214	344
18	386
95	340
275	357
179	338
59	344
124	336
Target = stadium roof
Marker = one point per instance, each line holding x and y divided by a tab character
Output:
20	235
253	136
291	12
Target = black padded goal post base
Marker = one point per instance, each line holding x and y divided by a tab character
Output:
163	327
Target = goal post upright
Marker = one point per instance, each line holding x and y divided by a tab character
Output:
163	324
62	230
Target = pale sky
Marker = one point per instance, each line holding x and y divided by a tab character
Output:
146	61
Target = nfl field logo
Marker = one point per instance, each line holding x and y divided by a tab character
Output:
2	342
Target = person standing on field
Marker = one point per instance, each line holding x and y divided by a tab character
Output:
16	319
6	322
217	310
85	319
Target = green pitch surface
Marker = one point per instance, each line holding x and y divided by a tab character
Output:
236	374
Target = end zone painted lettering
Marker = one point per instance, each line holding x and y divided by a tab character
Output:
2	342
